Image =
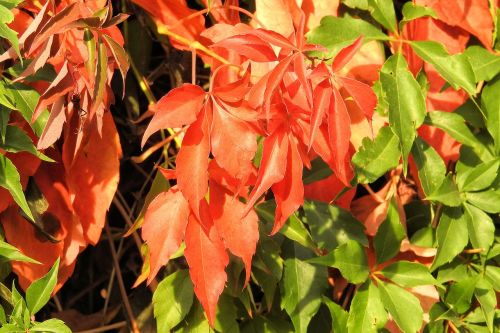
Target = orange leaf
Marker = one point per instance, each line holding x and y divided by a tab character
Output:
163	229
207	260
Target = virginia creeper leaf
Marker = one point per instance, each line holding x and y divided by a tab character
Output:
491	107
10	180
406	103
408	274
387	241
484	64
367	312
39	292
453	124
431	168
339	316
383	12
479	177
480	226
460	294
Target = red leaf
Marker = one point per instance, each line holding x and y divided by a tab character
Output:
233	143
339	132
62	85
54	126
163	229
169	13
121	58
250	46
177	108
274	38
321	102
240	233
346	54
289	192
473	16
192	162
93	176
362	94
207	260
327	189
273	165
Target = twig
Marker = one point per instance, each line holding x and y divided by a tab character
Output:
141	158
126	303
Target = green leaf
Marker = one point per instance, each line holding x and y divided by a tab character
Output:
332	226
390	233
491	107
11	181
460	294
261	324
447	193
485	200
11	36
16	140
303	285
4	120
319	170
431	168
51	325
11	253
479	177
481	228
11	328
453	124
195	322
172	300
485	64
335	33
404	308
339	316
367	312
383	12
375	158
492	274
452	236
226	315
361	4
455	69
293	229
488	302
25	100
406	102
408	274
38	293
350	259
411	12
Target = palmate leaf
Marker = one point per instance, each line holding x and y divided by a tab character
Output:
387	241
39	292
383	12
406	102
431	168
408	274
491	107
367	313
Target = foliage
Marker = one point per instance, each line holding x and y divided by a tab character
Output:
332	166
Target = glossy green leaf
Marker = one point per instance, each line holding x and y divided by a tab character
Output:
226	315
406	102
335	33
195	321
339	316
350	259
485	64
390	233
367	312
480	226
455	69
447	193
375	158
52	326
4	120
303	285
11	181
39	292
172	300
478	178
332	226
431	168
412	11
491	108
408	274
486	200
452	236
9	252
270	324
361	4
16	140
403	306
460	294
492	274
383	12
